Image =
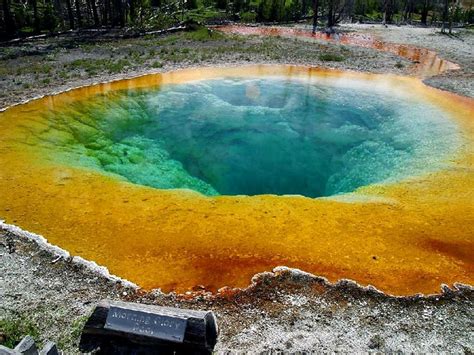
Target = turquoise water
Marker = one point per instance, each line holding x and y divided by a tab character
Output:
255	136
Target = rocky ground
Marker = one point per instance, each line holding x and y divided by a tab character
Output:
50	297
457	48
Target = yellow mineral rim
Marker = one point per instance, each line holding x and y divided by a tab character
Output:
403	238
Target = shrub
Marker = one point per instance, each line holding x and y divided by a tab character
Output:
248	17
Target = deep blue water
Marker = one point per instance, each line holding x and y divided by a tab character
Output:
263	136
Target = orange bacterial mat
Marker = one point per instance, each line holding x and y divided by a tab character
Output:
403	237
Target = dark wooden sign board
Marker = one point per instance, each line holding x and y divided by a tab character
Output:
133	319
130	328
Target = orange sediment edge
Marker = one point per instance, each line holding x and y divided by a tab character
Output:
418	230
227	292
427	62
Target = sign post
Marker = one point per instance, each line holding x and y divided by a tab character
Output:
128	328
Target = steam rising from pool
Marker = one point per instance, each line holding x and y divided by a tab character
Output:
249	136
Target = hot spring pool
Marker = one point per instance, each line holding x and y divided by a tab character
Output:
252	136
206	177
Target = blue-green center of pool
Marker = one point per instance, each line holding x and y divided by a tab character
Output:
236	136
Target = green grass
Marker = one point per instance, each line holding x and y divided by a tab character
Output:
63	74
203	34
72	336
156	64
95	66
12	330
36	68
331	57
248	17
117	66
4	70
205	14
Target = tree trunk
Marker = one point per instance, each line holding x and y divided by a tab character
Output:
58	9
36	22
408	11
405	10
304	7
121	13
70	14
385	12
106	12
315	15
133	10
88	11
424	16
78	13
445	16
118	18
92	9
424	12
330	14
95	14
451	16
10	25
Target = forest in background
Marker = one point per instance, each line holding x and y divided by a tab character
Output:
21	18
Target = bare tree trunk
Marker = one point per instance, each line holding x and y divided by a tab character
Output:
405	10
106	12
78	13
424	12
70	14
385	12
451	16
133	10
10	25
36	22
93	9
95	14
59	11
315	15
408	11
445	16
330	23
118	15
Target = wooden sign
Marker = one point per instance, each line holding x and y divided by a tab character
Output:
133	319
131	328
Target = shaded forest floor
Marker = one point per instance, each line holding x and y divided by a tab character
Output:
289	312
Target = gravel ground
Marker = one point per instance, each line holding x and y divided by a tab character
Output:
48	66
284	310
458	48
57	64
